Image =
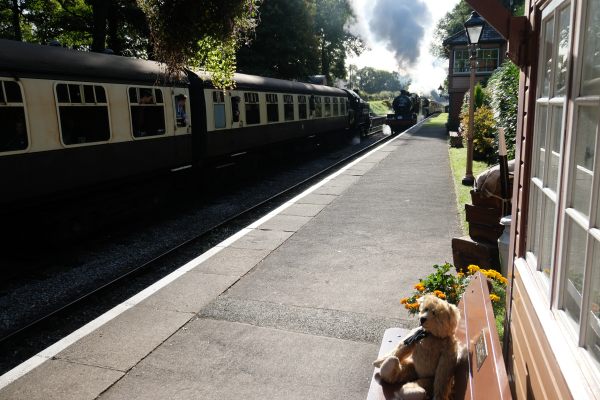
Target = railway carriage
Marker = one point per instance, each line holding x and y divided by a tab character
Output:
72	120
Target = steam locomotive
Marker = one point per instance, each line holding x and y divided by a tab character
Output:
406	108
72	120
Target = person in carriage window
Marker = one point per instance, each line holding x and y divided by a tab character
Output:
180	114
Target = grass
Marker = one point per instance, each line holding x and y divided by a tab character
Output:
458	162
379	107
439	120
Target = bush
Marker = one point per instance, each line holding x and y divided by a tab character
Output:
484	134
503	87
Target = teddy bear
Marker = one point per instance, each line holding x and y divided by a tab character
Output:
425	360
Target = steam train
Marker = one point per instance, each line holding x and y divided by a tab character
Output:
71	119
406	108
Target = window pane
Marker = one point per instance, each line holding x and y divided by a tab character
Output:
100	94
1	92
302	110
252	114
547	236
133	95
84	124
583	168
219	116
560	76
288	111
575	263
158	95
540	139
591	51
148	120
88	94
327	110
13	131
62	94
548	43
555	136
533	244
75	93
272	112
593	328
13	92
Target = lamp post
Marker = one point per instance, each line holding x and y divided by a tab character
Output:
473	28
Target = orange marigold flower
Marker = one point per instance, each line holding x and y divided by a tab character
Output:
404	300
439	294
414	306
419	286
494	298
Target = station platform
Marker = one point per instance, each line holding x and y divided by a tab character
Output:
292	307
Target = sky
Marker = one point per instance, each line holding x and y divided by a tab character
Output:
398	34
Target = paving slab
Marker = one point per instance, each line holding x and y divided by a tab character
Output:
312	198
225	360
61	380
232	261
262	240
285	223
303	209
124	341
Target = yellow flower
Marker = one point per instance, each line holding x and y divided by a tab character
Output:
494	298
460	274
413	306
439	294
473	268
404	300
419	286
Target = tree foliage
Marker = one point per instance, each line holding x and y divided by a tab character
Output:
453	22
503	87
373	80
298	38
285	45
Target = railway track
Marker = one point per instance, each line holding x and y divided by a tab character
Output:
199	241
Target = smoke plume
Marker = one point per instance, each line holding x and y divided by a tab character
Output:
401	25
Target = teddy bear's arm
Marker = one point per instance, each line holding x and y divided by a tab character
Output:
401	352
444	373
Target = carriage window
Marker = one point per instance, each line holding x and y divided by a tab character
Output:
327	112
219	109
235	108
342	106
302	107
13	130
335	110
252	108
147	111
318	107
272	107
288	107
83	114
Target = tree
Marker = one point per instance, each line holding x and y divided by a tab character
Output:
453	22
285	45
192	33
335	42
373	80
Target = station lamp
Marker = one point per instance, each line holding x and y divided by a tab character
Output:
473	29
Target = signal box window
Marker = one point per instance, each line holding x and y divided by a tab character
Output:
219	109
302	113
13	129
327	112
288	107
272	107
147	111
83	113
252	108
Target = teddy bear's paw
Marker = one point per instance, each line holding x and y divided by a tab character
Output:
390	369
412	391
377	363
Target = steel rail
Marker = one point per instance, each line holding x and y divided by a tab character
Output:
171	252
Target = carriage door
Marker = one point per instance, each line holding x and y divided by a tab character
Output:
182	123
236	106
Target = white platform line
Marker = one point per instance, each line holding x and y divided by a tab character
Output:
46	354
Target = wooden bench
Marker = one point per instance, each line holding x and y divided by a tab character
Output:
483	375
